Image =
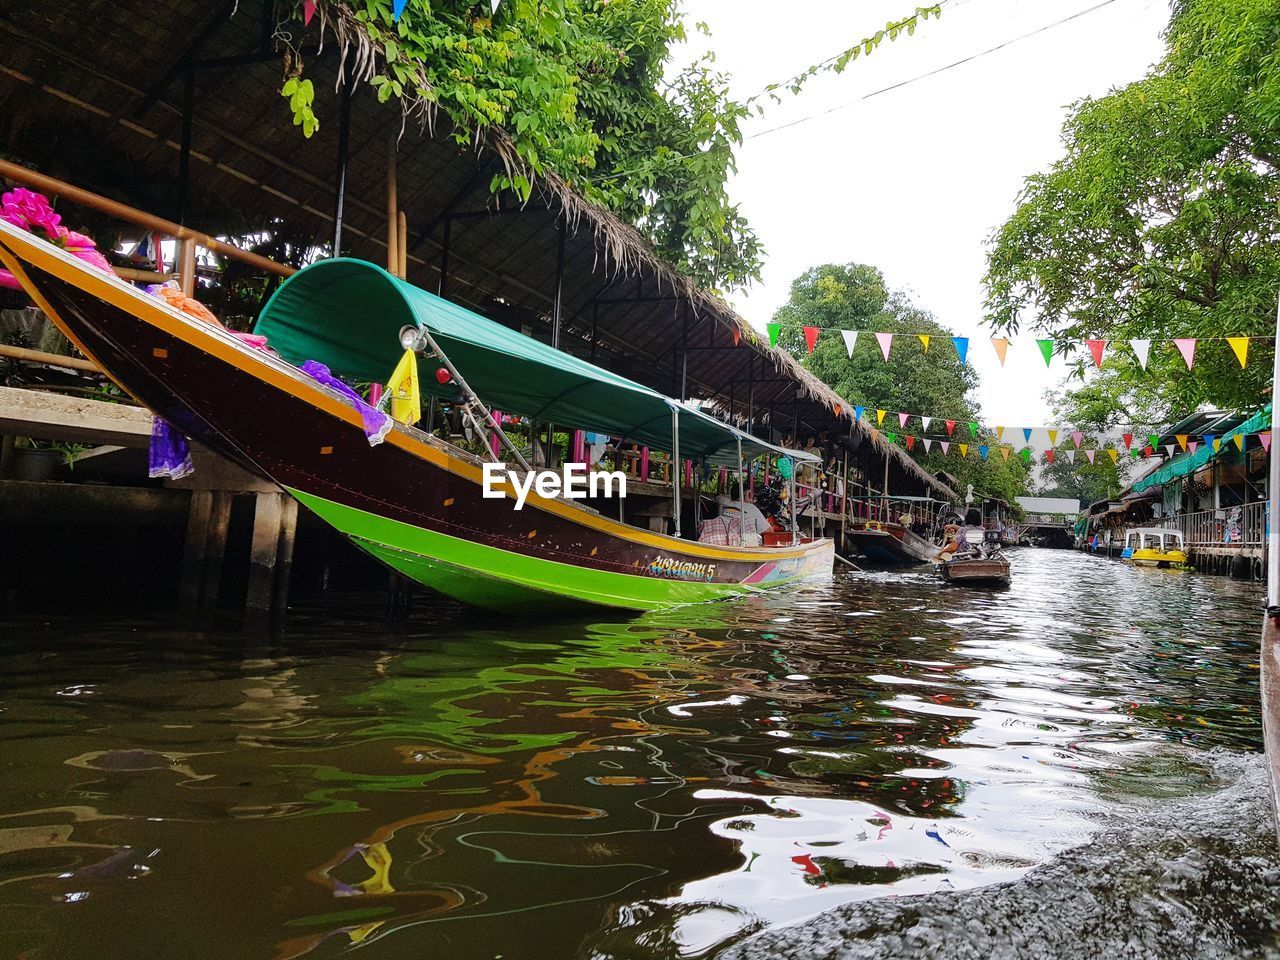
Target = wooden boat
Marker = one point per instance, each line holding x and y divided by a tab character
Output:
412	501
976	571
1154	547
888	542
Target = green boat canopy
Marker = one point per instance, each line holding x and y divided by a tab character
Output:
348	314
1189	463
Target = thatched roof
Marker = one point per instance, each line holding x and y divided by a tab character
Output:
94	95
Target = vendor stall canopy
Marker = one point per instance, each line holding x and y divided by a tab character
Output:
1189	463
348	314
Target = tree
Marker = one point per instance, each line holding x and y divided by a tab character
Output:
1160	221
854	296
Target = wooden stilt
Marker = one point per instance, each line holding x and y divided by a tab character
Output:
193	552
215	548
264	551
284	553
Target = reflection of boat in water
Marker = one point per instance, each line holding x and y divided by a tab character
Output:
414	501
1154	547
889	542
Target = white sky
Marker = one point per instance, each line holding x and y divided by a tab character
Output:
914	181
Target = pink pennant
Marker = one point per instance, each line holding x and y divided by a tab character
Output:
902	419
1077	437
886	341
946	445
1265	439
1187	347
1091	454
1192	445
1096	347
308	11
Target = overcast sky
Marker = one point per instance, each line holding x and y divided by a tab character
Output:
915	180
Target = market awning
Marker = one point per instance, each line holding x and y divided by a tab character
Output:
1189	463
348	315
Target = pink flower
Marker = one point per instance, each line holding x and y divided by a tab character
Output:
28	210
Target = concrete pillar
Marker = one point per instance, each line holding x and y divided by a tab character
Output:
284	553
264	550
215	548
193	551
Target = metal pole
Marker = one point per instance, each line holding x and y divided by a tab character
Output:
675	469
556	303
844	498
444	257
595	328
791	486
884	510
344	143
1273	465
742	499
684	354
184	150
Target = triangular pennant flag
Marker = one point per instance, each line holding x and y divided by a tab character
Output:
886	342
1134	454
1071	456
1053	437
1217	444
1096	347
1241	347
1238	440
837	409
1141	348
973	429
1182	440
1076	437
1046	350
983	450
924	423
946	446
1048	455
810	337
308	11
911	443
1152	440
1025	454
880	418
737	336
1264	438
925	338
1192	445
397	8
1168	449
964	449
1148	450
774	329
951	427
1209	440
850	340
1113	453
928	444
857	412
1005	452
891	437
1002	347
1187	347
999	433
903	418
1128	440
962	347
1090	454
1026	434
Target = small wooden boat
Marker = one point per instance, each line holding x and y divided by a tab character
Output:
1154	547
888	542
413	501
992	571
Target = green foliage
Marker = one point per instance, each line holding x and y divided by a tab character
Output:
582	89
854	296
1161	220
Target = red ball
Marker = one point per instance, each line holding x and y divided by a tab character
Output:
443	375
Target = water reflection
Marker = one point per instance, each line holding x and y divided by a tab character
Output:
654	788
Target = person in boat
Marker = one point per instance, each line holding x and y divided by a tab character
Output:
749	522
967	539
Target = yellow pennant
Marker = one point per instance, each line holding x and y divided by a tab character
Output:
1238	440
1217	444
999	433
925	338
1113	453
406	398
1005	451
1182	440
964	449
1002	347
1241	347
1053	438
880	418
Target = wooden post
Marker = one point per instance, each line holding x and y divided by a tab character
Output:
402	245
844	499
264	551
187	266
393	226
193	551
215	548
284	553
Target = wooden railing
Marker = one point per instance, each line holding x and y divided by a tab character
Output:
1223	527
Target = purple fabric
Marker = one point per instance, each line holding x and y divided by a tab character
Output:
376	423
170	454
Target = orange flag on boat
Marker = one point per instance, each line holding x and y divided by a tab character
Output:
1241	347
406	397
1002	347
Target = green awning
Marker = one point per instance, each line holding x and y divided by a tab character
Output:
347	314
1189	463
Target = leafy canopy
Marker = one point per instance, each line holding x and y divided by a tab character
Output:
1161	219
936	384
583	88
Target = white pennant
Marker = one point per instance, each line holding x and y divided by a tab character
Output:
924	423
850	340
1071	456
1168	447
927	444
1141	349
1090	454
946	445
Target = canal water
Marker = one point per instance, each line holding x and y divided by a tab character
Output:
661	787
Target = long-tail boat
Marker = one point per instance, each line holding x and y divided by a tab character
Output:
413	501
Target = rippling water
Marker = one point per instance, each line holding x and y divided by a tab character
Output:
653	788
